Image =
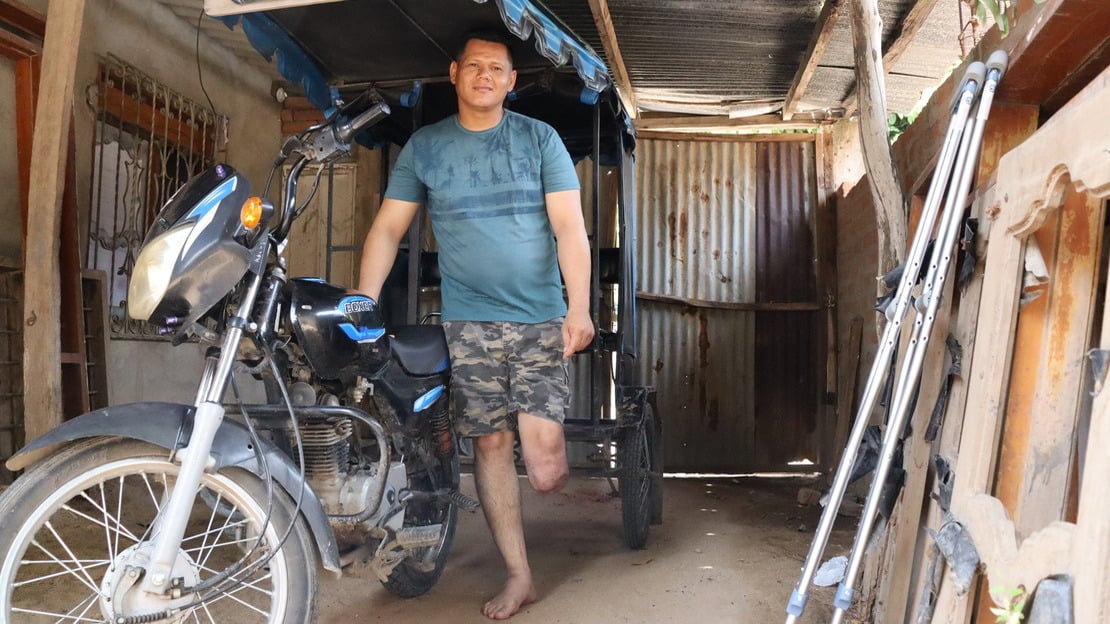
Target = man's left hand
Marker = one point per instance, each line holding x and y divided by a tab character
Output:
578	332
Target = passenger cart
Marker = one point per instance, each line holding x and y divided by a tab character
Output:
401	49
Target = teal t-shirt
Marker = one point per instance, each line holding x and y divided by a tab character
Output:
485	194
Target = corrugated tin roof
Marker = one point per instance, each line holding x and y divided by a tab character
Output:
707	56
715	57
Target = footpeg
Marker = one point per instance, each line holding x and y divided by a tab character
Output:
463	502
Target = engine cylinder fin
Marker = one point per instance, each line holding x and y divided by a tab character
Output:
326	451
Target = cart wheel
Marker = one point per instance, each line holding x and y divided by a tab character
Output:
637	481
656	425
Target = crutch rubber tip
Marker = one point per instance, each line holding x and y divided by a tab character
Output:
797	604
998	61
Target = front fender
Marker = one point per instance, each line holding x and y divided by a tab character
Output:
168	425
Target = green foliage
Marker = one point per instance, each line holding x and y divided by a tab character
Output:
1003	11
897	123
1010	604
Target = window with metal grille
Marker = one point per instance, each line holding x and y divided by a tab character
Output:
148	140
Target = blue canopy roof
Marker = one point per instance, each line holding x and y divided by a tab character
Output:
309	47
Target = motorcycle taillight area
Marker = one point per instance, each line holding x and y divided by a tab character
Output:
340	331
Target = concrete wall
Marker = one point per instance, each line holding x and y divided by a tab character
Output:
153	39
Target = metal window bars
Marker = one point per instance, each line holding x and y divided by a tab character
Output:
147	141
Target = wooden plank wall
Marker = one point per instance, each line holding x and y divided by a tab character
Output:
1032	183
1052	49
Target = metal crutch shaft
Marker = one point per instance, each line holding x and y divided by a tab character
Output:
931	295
961	108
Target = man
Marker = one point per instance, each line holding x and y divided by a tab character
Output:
504	203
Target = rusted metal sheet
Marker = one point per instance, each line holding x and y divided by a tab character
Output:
727	223
788	344
696	201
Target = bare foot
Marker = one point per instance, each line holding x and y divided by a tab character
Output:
517	593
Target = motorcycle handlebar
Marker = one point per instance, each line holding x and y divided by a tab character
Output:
344	132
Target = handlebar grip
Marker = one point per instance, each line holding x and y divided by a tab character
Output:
345	132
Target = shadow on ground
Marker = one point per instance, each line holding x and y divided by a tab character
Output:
729	550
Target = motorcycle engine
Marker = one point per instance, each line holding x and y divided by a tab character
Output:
345	488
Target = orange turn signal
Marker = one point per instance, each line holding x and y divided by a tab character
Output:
251	213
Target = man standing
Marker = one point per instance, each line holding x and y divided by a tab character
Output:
504	203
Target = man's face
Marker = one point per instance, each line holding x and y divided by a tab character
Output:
483	75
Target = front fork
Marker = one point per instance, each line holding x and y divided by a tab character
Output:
169	527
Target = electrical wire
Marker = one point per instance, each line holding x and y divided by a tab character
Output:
200	76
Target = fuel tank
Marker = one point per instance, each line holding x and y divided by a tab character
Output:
341	331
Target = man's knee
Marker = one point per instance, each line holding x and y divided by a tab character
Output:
494	444
548	479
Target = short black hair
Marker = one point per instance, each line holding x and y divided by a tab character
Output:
489	35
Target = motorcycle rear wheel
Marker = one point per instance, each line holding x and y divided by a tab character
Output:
420	571
70	525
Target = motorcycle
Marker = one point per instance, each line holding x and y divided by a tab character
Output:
224	512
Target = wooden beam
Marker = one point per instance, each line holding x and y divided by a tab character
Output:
1045	56
604	22
232	7
735	137
23	17
41	341
822	34
15	47
694	123
913	22
730	305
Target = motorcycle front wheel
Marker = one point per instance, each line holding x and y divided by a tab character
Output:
74	529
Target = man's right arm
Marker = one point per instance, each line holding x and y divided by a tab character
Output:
380	249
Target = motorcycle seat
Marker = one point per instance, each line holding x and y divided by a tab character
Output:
420	349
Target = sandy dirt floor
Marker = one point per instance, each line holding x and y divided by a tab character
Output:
729	550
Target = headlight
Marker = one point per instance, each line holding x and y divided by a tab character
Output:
153	270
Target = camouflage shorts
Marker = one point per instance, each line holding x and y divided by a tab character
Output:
499	369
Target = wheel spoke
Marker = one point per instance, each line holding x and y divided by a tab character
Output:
118	529
113	545
230	595
204	606
62	617
89	602
208	530
212	547
84	576
92	563
93	508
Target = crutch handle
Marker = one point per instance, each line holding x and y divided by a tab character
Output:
998	61
972	80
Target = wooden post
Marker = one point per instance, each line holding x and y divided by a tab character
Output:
41	343
890	204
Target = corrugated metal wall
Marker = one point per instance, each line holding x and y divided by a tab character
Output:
729	332
788	341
